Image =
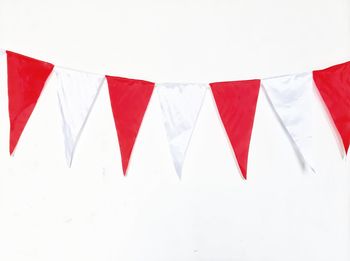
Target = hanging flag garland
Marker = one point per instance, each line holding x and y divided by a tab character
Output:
26	78
129	100
236	103
290	96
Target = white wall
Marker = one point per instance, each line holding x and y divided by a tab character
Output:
91	212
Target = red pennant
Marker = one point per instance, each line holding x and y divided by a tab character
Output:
129	100
236	103
333	84
26	79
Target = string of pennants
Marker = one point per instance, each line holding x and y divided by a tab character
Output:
290	97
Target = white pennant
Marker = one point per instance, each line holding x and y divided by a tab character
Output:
180	104
77	92
291	97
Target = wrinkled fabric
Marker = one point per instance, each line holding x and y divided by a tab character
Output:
26	79
333	84
236	104
180	104
291	97
77	92
129	99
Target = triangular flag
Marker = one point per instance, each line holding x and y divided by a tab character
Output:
236	103
291	97
333	84
77	92
129	100
180	105
26	79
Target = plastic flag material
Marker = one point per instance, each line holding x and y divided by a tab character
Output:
77	92
129	100
26	79
180	104
333	84
236	103
291	97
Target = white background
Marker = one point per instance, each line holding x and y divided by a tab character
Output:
92	212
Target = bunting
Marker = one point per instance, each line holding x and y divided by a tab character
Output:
26	79
77	92
291	97
180	104
129	100
236	103
333	84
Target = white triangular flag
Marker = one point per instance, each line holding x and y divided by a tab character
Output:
77	92
180	104
291	97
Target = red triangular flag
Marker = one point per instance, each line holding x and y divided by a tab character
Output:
236	103
129	100
26	79
333	84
